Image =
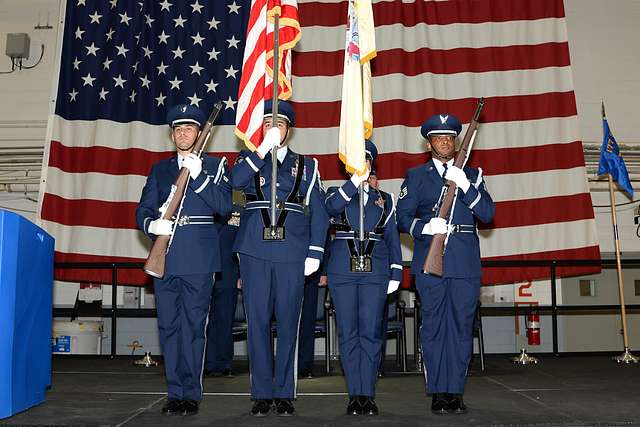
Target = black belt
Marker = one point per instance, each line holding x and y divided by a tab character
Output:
462	228
351	235
193	220
280	205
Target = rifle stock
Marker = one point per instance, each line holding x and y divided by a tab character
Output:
155	264
434	262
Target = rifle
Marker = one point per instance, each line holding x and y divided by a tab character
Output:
433	264
154	265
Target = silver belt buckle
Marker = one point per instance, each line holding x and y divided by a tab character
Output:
183	220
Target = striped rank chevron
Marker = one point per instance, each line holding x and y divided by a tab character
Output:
432	57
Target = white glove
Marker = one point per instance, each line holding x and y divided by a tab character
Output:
271	139
311	265
393	286
435	226
161	227
194	164
458	176
357	179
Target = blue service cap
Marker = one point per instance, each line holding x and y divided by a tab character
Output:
185	113
370	150
441	124
285	111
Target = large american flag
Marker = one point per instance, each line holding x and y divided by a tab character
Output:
432	57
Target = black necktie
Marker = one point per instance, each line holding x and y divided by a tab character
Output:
444	173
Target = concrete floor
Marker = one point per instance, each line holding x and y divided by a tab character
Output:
582	390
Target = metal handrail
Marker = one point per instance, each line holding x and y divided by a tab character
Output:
552	264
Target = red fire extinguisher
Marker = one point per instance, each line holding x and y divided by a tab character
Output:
533	328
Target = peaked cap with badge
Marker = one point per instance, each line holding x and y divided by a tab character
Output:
441	124
184	114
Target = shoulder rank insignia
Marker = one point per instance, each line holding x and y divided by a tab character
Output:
403	193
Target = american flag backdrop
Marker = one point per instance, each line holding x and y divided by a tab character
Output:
123	63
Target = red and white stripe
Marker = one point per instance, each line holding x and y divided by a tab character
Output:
432	57
251	92
256	82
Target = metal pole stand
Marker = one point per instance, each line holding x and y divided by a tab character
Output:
146	360
626	357
524	359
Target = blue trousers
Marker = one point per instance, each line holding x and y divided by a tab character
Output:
359	305
306	345
448	307
183	304
272	288
220	330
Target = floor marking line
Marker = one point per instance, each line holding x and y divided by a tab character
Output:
571	417
140	411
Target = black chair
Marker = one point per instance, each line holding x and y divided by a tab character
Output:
324	313
240	327
478	333
325	305
394	327
323	324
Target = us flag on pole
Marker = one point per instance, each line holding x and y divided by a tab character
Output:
256	83
432	57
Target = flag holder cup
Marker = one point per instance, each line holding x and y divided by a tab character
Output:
273	233
361	264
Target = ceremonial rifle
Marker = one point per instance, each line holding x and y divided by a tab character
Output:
156	259
433	264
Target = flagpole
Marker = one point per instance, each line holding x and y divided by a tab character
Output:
274	118
361	189
626	356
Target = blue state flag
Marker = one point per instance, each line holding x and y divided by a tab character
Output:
611	161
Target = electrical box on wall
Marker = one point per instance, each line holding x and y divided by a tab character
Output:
18	45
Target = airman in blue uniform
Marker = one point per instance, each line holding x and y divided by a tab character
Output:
448	302
359	296
183	293
273	271
219	354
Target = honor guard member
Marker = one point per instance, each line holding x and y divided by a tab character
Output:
358	293
183	293
219	355
448	302
273	270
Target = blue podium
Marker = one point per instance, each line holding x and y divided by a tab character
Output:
26	282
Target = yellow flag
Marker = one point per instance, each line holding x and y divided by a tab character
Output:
356	114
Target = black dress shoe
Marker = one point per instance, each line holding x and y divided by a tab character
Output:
172	407
440	404
381	373
190	407
369	406
261	408
306	373
354	407
284	407
456	404
227	373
